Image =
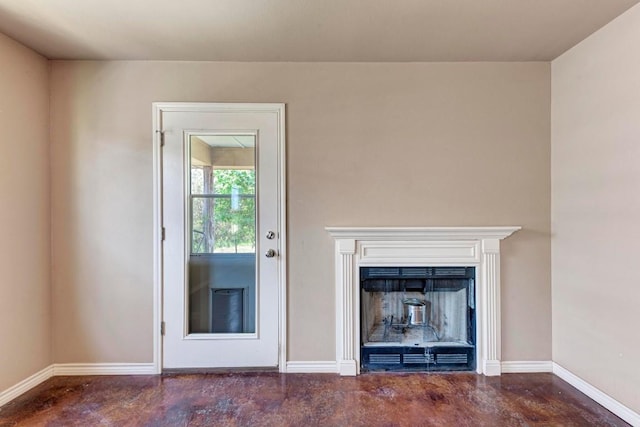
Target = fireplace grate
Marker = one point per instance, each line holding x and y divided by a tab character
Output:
380	273
418	358
450	271
414	272
439	358
384	359
453	358
383	272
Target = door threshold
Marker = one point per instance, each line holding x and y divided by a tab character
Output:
174	371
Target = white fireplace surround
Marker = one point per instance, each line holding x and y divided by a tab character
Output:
414	247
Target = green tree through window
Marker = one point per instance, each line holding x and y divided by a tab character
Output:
223	210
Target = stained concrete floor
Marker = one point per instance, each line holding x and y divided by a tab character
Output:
272	399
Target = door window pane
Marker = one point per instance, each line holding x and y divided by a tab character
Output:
224	224
222	215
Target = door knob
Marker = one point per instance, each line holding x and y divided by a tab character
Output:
270	253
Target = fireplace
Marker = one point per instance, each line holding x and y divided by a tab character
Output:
417	318
476	248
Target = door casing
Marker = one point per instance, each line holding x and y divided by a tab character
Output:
158	262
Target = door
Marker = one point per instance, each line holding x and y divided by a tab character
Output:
222	262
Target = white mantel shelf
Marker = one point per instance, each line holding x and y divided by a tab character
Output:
418	246
421	233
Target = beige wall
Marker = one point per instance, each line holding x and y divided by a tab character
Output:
596	209
368	144
25	315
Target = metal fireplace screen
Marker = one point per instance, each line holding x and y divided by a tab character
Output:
417	318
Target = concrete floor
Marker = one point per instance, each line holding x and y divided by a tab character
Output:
272	399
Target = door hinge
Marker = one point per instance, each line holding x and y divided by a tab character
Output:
161	133
162	328
164	233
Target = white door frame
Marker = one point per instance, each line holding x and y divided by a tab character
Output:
158	262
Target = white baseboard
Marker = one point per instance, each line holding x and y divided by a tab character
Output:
529	366
26	385
491	368
506	367
104	369
348	368
311	367
599	396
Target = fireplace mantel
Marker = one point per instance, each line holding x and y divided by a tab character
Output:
418	246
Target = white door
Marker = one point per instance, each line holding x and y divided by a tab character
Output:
222	251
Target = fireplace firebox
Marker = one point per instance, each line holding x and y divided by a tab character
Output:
418	318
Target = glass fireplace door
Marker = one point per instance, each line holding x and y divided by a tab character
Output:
417	318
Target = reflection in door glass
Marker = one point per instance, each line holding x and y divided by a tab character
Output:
222	218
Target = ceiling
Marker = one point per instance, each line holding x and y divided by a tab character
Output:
306	30
229	141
